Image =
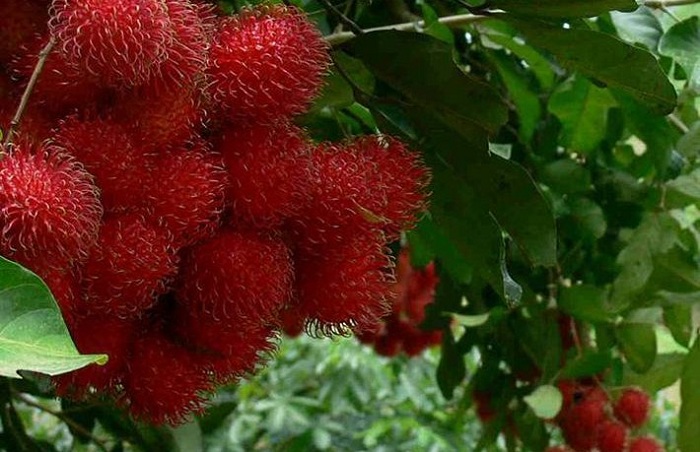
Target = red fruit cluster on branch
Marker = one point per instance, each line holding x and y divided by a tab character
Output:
399	331
176	244
589	421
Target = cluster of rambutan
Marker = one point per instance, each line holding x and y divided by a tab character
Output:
400	331
590	422
160	188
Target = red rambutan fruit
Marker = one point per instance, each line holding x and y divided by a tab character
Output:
267	63
121	43
612	437
129	267
484	409
581	421
240	276
388	346
20	20
347	286
645	444
161	119
269	173
61	86
291	322
227	349
163	384
49	207
65	288
106	149
186	193
97	334
633	407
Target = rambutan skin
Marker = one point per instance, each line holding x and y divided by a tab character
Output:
120	43
645	444
268	168
267	63
131	264
347	286
612	437
633	407
49	207
106	149
20	20
581	420
186	193
163	384
104	334
245	277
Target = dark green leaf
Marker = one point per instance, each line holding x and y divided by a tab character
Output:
689	433
582	108
679	320
589	363
451	370
404	59
565	176
33	335
666	371
585	302
563	8
585	220
428	236
621	66
637	342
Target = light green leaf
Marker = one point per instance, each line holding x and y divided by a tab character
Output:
681	42
640	26
666	371
33	336
585	302
545	401
638	343
582	108
689	433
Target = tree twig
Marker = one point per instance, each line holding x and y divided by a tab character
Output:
100	443
676	121
14	124
354	28
450	21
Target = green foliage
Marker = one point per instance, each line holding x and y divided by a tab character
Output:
33	337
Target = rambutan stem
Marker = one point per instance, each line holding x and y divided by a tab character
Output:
336	39
14	124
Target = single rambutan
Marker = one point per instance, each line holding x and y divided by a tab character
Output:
49	207
240	276
106	149
121	43
388	346
347	286
291	322
267	63
98	334
414	288
61	87
163	384
129	267
65	288
162	119
633	407
20	20
186	193
268	170
645	444
612	437
227	349
581	421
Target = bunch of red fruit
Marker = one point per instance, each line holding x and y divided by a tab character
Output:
589	421
400	329
161	189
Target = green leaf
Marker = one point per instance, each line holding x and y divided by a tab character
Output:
589	363
689	143
640	26
187	437
565	176
427	235
681	42
622	66
689	433
582	108
527	102
451	369
545	401
563	8
585	302
666	371
638	343
679	320
33	336
402	59
683	190
585	219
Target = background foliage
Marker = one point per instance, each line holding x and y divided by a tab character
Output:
563	137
